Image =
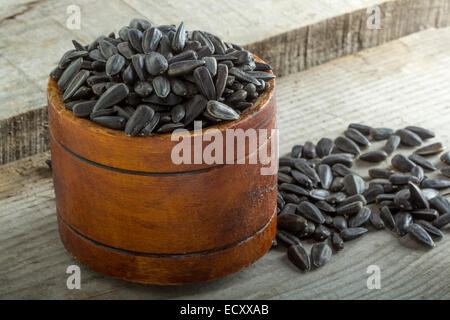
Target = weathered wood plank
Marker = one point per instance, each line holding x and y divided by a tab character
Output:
400	83
291	35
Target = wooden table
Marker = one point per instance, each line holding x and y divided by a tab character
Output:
404	82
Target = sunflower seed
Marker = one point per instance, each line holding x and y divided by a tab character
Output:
243	76
398	178
170	100
401	163
179	39
430	229
430	193
122	112
337	242
337	184
324	147
77	81
375	220
123	32
320	254
340	223
365	130
349	208
69	74
446	171
299	257
386	215
353	184
311	212
380	173
161	85
381	133
440	204
297	151
140	24
287	239
402	200
138	120
343	158
292	188
347	145
112	96
111	122
325	175
420	235
221	111
83	109
82	93
417	171
421	161
309	150
360	218
319	194
150	125
155	63
302	179
435	184
442	221
150	40
138	62
203	39
431	149
304	168
107	49
417	199
321	233
374	156
421	132
357	137
352	233
194	107
143	88
403	222
408	138
336	198
125	50
372	192
392	144
260	66
425	214
325	206
445	157
236	97
114	64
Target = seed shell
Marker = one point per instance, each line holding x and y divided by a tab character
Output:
420	235
352	233
431	149
347	145
320	254
374	156
299	257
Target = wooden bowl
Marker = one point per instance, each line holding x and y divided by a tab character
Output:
126	210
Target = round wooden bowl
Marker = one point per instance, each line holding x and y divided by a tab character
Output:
126	210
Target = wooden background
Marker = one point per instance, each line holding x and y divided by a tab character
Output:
398	83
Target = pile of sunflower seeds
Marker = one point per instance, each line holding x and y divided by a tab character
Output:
320	198
159	78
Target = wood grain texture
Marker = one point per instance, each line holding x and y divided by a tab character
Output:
291	35
401	83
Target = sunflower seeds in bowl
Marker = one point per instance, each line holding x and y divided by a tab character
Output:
189	75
